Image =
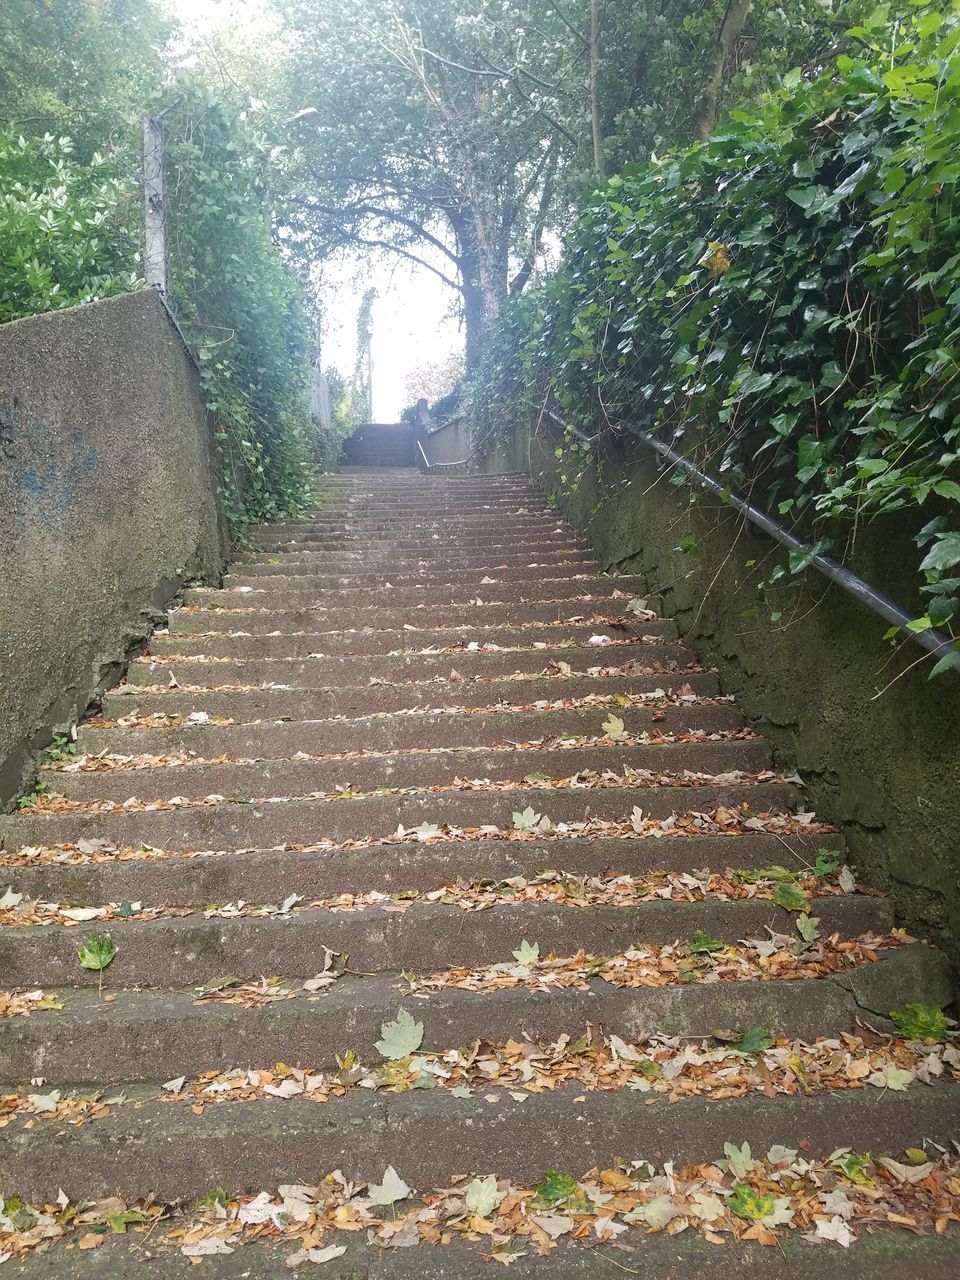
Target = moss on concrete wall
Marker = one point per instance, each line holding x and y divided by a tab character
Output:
107	503
885	767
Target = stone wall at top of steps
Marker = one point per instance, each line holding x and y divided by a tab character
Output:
107	503
885	766
380	444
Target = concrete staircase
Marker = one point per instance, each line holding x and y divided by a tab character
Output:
431	860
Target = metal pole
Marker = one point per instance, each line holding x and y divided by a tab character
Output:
934	641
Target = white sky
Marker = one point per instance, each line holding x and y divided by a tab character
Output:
412	317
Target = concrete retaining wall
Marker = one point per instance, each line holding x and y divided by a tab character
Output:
107	504
884	766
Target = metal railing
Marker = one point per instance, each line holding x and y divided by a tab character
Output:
934	641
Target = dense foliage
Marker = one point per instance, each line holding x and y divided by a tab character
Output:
69	232
784	301
71	223
241	308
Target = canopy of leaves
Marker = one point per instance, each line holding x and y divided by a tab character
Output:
783	302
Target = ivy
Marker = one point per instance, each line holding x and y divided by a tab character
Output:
782	303
241	307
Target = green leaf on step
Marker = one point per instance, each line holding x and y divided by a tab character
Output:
826	863
808	927
119	1222
754	1040
97	951
637	606
747	1202
918	1021
557	1187
401	1037
790	897
126	909
613	727
750	875
527	953
527	820
482	1195
702	943
852	1166
390	1190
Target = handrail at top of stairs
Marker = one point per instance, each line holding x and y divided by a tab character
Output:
931	639
439	466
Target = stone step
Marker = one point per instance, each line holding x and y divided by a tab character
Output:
562	587
302	777
431	545
160	1034
888	1253
424	937
194	620
316	672
163	1147
351	701
254	875
403	576
264	823
259	564
420	535
272	739
357	641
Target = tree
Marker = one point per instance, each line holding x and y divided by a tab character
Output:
435	134
83	68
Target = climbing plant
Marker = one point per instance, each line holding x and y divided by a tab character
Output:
242	309
783	302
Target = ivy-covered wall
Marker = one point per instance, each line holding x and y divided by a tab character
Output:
884	766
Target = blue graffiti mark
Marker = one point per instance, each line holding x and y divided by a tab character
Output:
57	488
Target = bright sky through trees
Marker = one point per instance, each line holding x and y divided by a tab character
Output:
413	320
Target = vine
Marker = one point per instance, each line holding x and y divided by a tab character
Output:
782	303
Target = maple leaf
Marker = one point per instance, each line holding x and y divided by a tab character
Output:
753	1041
614	728
391	1189
527	953
702	943
527	820
918	1021
401	1037
482	1195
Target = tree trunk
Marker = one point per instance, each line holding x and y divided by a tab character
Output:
705	112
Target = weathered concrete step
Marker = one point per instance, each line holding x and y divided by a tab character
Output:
435	554
254	876
383	616
432	1136
455	529
452	592
352	701
302	777
362	641
157	1034
431	545
426	937
417	538
351	564
273	739
312	673
242	825
887	1254
391	575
